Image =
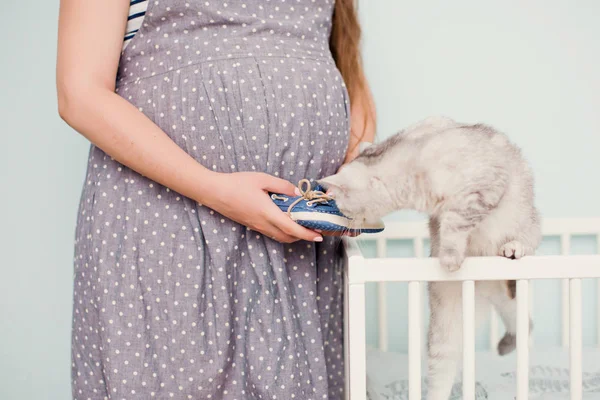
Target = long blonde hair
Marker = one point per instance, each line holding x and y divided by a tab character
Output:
345	47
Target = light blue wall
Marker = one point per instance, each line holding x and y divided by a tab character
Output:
529	69
42	166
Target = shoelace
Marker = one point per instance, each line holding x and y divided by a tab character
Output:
312	196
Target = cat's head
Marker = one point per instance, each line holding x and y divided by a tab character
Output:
359	192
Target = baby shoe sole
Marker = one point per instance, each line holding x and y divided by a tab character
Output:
330	223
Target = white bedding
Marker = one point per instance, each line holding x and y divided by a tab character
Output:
495	378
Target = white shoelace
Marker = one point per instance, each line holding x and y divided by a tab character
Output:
312	196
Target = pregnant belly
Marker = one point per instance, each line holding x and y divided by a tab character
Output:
286	117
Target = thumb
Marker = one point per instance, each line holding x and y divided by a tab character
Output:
281	186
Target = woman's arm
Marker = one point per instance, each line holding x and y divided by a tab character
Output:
362	121
89	47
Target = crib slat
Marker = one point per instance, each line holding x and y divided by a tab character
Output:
382	309
346	340
382	315
575	349
522	339
419	252
414	340
565	312
418	247
598	310
531	342
357	371
598	294
468	303
565	250
493	329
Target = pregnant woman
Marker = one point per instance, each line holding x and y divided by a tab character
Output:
190	283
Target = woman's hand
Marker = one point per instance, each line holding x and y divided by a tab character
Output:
243	197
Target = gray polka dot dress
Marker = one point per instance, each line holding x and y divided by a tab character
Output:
171	299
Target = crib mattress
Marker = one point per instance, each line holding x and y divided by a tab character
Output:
387	374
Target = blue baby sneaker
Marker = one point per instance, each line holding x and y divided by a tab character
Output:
314	209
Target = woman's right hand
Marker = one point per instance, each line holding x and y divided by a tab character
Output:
243	197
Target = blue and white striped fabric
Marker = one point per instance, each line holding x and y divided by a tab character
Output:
137	12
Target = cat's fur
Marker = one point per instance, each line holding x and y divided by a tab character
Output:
477	189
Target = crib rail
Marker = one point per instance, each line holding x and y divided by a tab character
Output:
476	268
550	227
418	270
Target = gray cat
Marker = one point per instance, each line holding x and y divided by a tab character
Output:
477	189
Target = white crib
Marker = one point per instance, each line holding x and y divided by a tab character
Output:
418	270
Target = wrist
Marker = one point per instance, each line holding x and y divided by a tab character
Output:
206	184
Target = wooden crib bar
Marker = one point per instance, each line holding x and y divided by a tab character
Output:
477	269
382	300
565	245
468	318
598	296
522	339
414	340
575	344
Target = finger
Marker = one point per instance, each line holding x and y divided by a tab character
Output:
279	236
273	232
287	225
277	185
283	222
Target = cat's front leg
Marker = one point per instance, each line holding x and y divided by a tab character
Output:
454	234
457	223
451	259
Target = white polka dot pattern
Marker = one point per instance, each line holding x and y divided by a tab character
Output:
172	300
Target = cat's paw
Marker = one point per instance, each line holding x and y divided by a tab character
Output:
451	260
507	344
513	250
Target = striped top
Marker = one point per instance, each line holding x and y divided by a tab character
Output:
137	11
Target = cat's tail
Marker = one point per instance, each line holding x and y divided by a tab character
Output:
505	303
